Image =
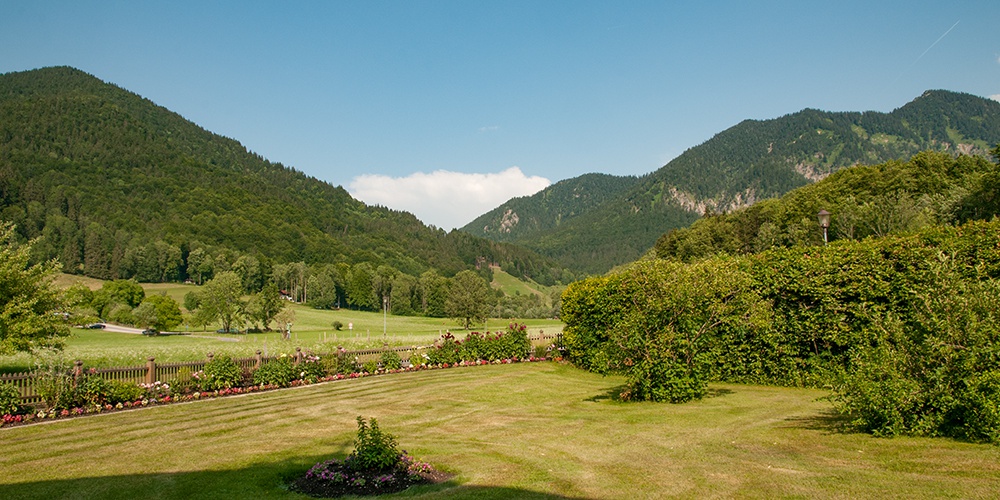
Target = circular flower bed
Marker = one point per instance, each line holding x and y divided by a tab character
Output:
334	478
375	467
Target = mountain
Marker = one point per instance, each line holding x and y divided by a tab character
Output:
866	201
116	186
523	217
751	161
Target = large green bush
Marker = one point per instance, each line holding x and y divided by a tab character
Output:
903	328
934	372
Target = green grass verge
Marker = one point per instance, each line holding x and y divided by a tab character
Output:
540	430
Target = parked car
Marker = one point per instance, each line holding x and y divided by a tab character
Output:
231	330
95	326
150	331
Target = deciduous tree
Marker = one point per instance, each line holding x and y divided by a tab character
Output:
28	302
469	298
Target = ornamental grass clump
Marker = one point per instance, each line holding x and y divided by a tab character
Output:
375	467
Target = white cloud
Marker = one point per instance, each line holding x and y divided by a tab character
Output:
446	199
995	97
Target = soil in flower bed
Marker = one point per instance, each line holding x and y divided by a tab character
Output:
335	478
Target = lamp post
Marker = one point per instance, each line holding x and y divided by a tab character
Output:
824	222
385	308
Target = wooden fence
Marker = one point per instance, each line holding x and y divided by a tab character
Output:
169	372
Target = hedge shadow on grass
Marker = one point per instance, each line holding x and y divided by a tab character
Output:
614	394
258	481
827	421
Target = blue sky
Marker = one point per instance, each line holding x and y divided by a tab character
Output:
448	108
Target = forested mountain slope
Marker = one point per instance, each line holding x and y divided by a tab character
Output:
756	160
116	186
523	217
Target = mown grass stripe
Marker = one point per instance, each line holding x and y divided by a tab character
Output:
508	431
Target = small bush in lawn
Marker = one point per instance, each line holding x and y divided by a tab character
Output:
373	449
391	360
337	325
376	466
221	373
10	399
279	372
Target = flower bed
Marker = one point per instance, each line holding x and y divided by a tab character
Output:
375	467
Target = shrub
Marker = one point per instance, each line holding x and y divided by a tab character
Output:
185	382
444	351
94	390
515	343
311	368
279	372
339	363
54	384
370	366
123	392
541	351
391	360
374	450
337	325
473	347
375	467
221	373
933	371
417	358
10	399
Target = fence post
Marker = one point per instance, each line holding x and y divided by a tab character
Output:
258	360
298	355
150	370
210	357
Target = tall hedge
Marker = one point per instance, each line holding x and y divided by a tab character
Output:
903	329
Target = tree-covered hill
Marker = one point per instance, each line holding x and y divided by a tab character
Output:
116	186
524	217
929	189
752	161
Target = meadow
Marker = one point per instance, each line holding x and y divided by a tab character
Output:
313	330
532	430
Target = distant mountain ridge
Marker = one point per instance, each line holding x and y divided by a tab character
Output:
751	161
117	186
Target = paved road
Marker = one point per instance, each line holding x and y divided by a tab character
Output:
121	329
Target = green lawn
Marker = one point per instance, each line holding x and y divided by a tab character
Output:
312	331
540	430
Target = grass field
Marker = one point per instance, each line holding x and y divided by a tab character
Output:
312	331
510	285
539	430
